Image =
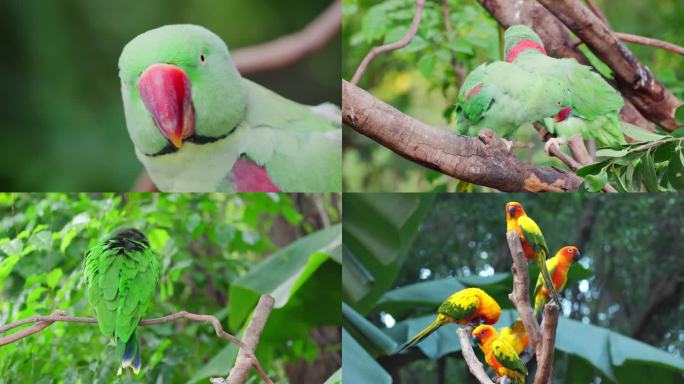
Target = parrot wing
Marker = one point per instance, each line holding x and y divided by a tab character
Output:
551	265
533	235
507	357
460	306
300	150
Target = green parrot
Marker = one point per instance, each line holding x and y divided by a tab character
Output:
595	104
502	97
121	274
198	126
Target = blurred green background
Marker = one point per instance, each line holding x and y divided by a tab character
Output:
62	116
419	79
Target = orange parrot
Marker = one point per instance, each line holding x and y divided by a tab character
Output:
516	336
499	354
558	267
463	307
532	240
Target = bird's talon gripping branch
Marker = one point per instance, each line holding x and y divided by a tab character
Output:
554	141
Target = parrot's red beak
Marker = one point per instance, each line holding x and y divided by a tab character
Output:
166	92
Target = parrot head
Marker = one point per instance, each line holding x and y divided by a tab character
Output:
483	334
179	84
570	253
519	38
514	210
129	239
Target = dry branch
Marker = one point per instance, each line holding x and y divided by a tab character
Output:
291	48
549	324
474	365
404	41
483	160
246	357
635	81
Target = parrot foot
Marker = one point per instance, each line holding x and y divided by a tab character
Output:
509	144
553	141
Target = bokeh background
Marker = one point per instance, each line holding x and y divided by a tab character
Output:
62	120
218	253
420	81
622	315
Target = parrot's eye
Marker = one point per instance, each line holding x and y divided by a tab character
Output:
558	102
203	59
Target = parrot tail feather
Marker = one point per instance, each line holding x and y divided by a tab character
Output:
439	321
538	306
130	353
549	282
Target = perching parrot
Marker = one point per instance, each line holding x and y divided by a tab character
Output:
595	104
502	97
465	306
558	267
500	355
121	274
516	336
197	125
532	240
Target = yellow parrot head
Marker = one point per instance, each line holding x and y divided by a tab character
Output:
483	333
514	210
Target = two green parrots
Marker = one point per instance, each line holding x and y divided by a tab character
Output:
197	125
121	275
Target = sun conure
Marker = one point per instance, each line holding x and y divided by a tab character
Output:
532	240
502	97
470	305
595	104
516	336
558	267
499	354
197	125
121	274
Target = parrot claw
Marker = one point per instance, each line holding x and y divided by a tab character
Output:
509	144
553	141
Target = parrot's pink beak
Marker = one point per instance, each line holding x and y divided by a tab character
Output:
166	92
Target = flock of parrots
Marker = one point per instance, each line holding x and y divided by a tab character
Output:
475	307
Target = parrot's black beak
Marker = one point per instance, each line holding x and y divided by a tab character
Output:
511	211
478	341
576	256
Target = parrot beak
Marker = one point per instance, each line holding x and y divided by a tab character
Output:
478	341
511	211
563	114
166	92
576	256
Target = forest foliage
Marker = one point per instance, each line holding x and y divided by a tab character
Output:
218	252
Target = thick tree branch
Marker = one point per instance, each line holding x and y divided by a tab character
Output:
545	364
556	38
474	365
289	49
483	160
246	357
240	371
520	296
404	41
634	80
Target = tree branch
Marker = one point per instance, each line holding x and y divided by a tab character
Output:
404	41
240	371
520	296
634	80
245	358
291	48
483	160
545	364
474	365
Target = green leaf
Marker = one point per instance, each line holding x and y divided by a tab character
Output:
426	65
591	169
359	366
41	240
678	132
373	340
6	266
609	152
595	183
649	172
11	247
675	171
640	134
53	277
461	46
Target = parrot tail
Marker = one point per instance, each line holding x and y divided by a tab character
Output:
130	353
439	321
548	281
538	306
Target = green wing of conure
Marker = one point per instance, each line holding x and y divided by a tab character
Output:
507	357
461	305
287	136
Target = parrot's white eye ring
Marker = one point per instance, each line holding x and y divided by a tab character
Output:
203	59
